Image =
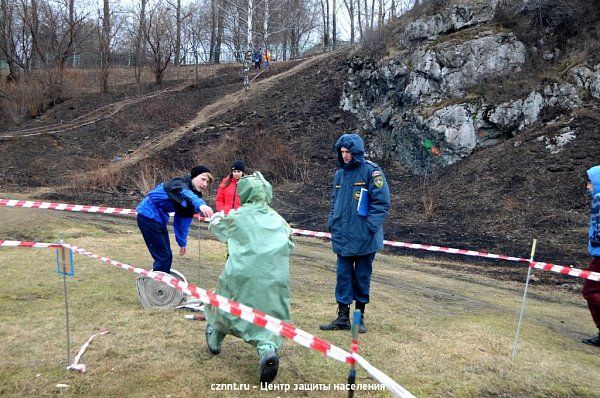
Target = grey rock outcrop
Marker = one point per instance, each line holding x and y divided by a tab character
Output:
428	93
458	17
588	79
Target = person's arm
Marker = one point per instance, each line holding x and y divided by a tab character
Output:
199	204
333	199
192	198
379	200
181	226
219	226
595	222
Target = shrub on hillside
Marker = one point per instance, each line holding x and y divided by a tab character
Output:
553	20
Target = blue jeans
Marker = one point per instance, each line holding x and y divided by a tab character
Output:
156	237
353	278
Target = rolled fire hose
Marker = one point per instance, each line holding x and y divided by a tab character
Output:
155	294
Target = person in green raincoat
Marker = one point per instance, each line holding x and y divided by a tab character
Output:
256	273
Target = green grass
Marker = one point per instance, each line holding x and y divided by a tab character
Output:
439	332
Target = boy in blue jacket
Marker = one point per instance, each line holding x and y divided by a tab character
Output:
591	289
355	238
182	196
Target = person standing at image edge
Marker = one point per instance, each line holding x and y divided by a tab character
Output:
227	196
182	196
591	289
355	238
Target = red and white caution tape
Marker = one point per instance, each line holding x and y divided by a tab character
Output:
79	366
303	232
76	208
66	207
249	314
595	276
451	250
20	243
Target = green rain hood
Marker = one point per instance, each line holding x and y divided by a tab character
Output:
257	271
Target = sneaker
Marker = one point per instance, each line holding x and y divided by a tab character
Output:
269	365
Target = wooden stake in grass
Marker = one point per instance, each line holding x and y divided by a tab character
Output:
352	373
61	263
529	270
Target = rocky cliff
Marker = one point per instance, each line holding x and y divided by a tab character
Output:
424	102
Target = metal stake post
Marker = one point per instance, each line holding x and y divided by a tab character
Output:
63	260
529	270
352	373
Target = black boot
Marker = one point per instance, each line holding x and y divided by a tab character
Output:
361	326
342	322
593	340
269	365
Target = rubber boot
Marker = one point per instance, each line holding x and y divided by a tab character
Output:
361	326
342	322
269	365
593	340
214	339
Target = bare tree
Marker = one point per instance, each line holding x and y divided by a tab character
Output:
104	39
159	36
13	46
64	30
217	29
140	43
180	17
350	8
196	31
325	17
334	24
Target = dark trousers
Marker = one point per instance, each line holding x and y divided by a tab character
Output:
353	278
591	292
156	237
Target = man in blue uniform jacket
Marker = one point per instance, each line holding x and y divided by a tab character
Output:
181	196
355	238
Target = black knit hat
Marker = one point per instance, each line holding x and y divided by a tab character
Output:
196	171
238	165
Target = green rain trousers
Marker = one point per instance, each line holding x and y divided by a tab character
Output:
257	271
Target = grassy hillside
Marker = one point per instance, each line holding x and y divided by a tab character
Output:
435	328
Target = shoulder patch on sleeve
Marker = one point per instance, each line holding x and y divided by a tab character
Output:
376	173
378	181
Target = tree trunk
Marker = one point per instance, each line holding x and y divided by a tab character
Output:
220	31
105	47
350	8
213	31
140	44
177	60
366	14
372	22
325	16
360	24
71	30
334	25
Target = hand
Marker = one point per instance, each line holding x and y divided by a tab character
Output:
206	211
182	251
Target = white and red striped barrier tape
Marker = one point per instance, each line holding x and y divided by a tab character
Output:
234	308
303	232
